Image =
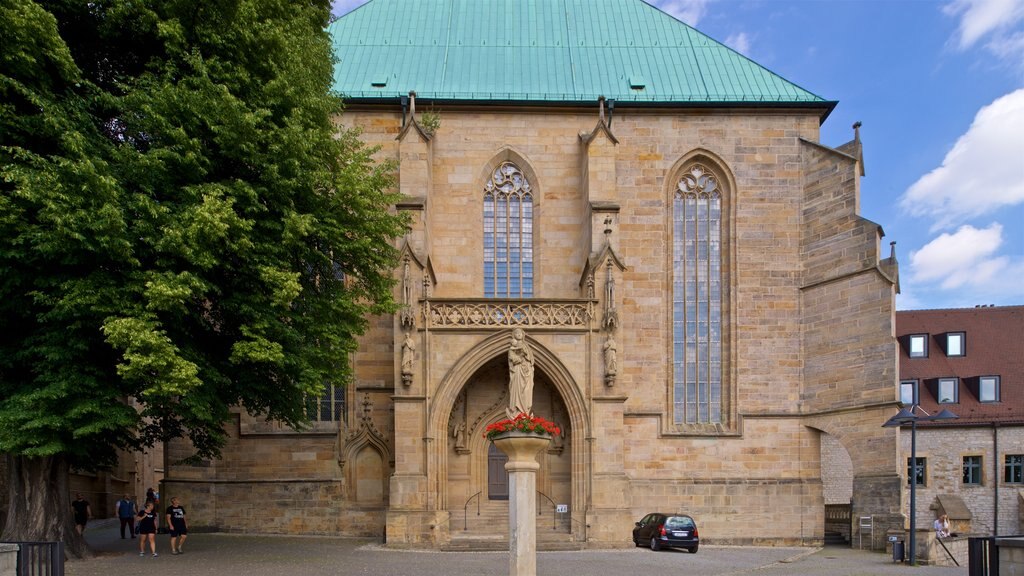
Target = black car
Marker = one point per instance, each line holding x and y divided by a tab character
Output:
667	531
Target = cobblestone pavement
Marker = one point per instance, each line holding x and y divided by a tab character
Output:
227	554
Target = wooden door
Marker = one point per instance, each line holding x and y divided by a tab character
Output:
497	477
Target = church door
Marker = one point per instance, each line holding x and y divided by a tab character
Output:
497	477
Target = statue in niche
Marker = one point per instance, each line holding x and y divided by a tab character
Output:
520	375
408	358
459	433
611	360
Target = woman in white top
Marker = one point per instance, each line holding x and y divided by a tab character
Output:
942	526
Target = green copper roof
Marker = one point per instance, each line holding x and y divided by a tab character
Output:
544	51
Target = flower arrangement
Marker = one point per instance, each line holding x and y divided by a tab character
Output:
522	423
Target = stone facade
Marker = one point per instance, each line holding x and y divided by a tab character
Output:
943	450
809	353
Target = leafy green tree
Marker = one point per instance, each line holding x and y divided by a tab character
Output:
183	225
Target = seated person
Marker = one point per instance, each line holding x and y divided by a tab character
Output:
941	525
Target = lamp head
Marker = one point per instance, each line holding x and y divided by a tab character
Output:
905	416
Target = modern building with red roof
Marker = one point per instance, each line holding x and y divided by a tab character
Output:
969	361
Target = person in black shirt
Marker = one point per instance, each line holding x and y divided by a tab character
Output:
148	522
177	524
82	511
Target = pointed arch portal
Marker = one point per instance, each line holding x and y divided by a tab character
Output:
474	394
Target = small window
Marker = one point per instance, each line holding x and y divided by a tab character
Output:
988	389
917	472
955	344
329	406
918	345
948	390
908	392
972	470
1013	472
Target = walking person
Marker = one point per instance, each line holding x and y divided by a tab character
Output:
177	525
82	510
126	511
148	522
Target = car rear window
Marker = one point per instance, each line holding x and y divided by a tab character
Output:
675	522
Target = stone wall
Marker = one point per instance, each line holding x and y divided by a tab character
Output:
836	471
807	322
273	480
944	449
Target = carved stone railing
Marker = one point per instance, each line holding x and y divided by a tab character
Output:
501	314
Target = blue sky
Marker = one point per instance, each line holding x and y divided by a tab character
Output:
939	87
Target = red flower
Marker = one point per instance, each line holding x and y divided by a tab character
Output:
522	423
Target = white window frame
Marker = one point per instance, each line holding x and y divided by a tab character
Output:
961	347
920	351
995	389
942	398
914	397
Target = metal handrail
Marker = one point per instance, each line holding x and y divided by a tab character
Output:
948	553
465	508
540	511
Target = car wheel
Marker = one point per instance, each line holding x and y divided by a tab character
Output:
655	545
692	549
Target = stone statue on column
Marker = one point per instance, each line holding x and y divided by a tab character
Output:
520	375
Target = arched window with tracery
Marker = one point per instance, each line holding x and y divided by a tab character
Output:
508	234
697	297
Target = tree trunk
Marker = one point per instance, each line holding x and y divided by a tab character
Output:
39	504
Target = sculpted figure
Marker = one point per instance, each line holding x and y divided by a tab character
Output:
611	361
459	433
520	375
408	355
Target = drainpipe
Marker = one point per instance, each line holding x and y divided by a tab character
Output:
995	476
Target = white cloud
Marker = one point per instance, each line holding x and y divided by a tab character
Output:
689	11
966	257
998	20
979	17
739	42
982	173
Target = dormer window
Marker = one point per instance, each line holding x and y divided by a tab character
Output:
908	392
956	344
918	345
948	390
988	389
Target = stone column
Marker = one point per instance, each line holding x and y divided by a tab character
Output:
522	449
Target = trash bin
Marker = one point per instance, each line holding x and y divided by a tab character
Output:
898	550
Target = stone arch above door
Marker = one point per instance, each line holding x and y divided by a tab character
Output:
494	346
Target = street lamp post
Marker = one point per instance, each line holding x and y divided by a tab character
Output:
901	419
